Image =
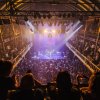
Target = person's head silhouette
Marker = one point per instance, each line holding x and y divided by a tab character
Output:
5	68
64	81
27	81
94	83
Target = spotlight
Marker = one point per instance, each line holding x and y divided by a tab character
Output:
64	15
49	16
1	22
30	25
68	15
73	14
53	31
81	18
54	2
59	23
73	29
17	21
50	23
11	7
25	18
42	23
55	22
12	11
45	30
44	16
35	16
38	15
59	15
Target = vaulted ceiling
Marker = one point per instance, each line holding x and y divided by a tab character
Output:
29	6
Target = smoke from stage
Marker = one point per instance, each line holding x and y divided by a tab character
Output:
49	41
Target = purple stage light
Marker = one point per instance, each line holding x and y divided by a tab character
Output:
47	42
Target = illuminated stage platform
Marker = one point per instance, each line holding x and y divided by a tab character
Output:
48	55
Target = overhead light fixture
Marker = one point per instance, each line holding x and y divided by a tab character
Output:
11	7
49	16
54	31
60	15
64	15
1	22
17	21
25	18
69	15
81	18
73	14
35	16
54	2
45	30
38	15
44	16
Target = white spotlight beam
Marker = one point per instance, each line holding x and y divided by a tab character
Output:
70	34
30	25
68	26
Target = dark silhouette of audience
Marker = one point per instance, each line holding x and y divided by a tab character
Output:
37	83
38	94
65	88
6	82
24	92
92	92
30	89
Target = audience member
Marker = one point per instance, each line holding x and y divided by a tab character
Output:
92	92
38	94
25	91
6	82
65	88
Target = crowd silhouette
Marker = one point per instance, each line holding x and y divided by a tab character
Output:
62	89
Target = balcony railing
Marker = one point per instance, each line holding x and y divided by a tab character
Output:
92	67
21	55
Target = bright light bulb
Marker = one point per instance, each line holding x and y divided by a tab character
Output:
45	30
53	31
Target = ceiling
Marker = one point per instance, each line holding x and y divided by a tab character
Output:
28	7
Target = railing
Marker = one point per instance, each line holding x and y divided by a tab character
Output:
21	55
92	67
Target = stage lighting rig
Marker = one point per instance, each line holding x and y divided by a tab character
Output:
12	9
25	18
38	15
54	2
44	16
64	15
45	30
35	16
49	16
69	15
1	22
54	31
